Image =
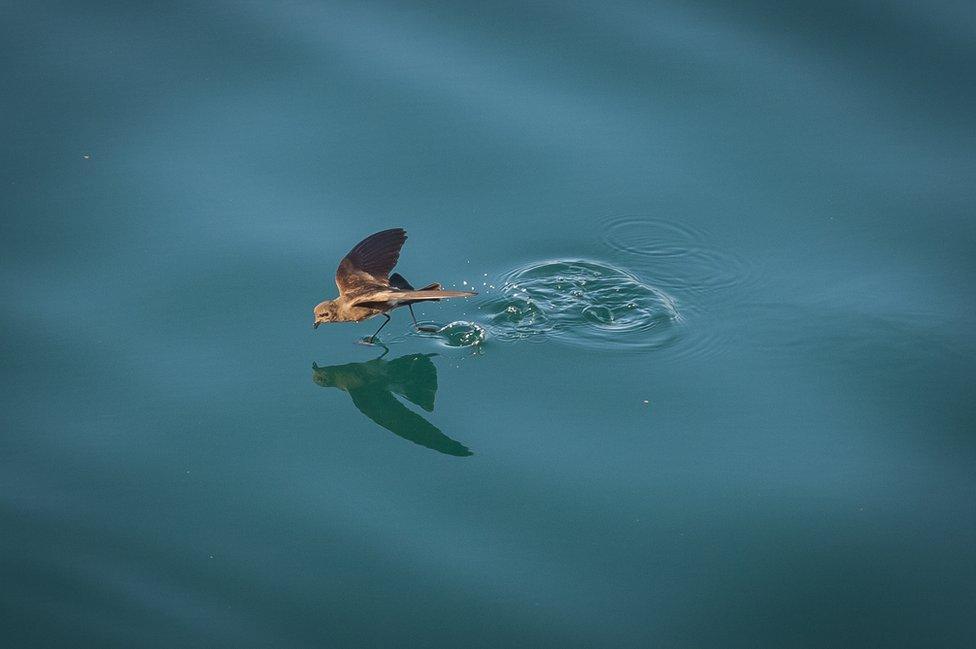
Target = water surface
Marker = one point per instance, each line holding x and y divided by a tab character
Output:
764	438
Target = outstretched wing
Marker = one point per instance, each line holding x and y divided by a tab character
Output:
370	262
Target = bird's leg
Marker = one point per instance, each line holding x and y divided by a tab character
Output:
418	327
372	339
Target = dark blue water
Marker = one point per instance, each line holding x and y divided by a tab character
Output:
716	390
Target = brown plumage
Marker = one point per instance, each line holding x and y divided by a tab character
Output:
367	289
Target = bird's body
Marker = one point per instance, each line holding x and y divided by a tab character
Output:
366	288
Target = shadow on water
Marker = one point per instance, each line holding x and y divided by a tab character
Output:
372	385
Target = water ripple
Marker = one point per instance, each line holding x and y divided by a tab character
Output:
582	302
677	256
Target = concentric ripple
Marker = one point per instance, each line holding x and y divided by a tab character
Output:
582	302
677	256
710	280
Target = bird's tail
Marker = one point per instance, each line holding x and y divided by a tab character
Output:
424	295
409	295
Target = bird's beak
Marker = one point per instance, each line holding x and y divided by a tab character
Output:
315	325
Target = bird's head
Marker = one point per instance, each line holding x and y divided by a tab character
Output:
324	312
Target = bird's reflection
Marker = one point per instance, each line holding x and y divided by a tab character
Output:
372	385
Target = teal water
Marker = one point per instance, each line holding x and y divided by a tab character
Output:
764	439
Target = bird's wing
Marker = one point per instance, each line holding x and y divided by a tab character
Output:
383	408
399	281
370	262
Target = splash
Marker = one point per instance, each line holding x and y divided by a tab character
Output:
582	302
462	334
459	333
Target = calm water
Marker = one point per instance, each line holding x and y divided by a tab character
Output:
717	389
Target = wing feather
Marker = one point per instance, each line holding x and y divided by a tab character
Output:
370	262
